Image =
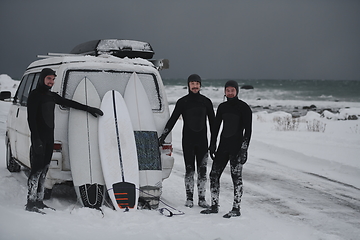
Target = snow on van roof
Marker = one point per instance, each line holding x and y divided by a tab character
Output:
115	44
53	59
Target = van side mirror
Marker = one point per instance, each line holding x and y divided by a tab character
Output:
5	95
160	64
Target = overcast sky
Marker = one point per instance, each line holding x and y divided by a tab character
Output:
238	39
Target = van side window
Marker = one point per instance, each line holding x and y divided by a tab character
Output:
25	95
35	82
152	89
20	90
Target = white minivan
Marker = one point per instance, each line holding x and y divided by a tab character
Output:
108	64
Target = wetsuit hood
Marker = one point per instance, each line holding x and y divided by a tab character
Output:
234	84
193	78
41	84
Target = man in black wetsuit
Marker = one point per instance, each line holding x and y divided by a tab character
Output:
40	110
236	117
194	109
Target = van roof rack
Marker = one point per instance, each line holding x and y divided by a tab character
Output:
49	55
116	47
159	64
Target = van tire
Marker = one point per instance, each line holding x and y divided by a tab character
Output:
11	164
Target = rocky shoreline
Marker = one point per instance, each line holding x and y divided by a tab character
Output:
300	111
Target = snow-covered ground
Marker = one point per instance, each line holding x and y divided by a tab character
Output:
297	185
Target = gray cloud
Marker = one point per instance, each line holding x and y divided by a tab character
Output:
309	39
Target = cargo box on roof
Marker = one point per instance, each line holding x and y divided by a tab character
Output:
116	47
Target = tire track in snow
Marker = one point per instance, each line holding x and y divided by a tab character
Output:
328	205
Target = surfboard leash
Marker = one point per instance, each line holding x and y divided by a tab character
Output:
165	210
97	208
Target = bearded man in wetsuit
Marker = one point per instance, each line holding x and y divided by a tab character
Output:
40	110
236	117
194	108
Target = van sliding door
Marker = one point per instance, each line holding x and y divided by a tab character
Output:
23	133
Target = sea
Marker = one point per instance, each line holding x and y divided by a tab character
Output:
294	96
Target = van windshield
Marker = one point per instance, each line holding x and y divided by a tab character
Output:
112	80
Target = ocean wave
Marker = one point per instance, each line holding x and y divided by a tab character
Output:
294	102
309	90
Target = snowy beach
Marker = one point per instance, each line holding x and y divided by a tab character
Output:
301	181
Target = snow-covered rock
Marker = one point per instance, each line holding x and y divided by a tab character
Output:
8	84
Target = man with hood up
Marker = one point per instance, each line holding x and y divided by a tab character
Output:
194	108
236	117
40	110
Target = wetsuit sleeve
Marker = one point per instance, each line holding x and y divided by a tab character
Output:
216	126
211	115
247	121
68	103
33	104
173	118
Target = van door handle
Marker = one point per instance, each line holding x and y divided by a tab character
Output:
17	113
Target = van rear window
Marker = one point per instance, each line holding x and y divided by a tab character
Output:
112	80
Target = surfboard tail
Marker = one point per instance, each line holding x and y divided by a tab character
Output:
125	194
92	195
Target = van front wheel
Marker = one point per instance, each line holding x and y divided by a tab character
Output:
11	164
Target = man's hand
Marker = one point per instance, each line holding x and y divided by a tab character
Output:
94	111
163	136
162	139
212	150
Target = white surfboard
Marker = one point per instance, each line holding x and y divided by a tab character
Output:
146	138
118	152
84	148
